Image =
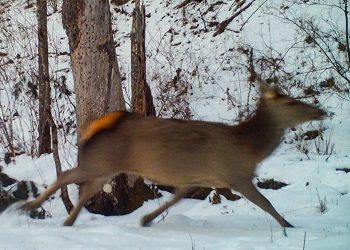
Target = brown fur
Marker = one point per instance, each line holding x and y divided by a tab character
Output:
103	123
185	154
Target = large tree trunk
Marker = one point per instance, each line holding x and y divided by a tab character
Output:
98	91
142	101
96	74
44	80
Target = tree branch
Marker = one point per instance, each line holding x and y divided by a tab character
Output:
186	2
64	192
224	24
330	57
346	12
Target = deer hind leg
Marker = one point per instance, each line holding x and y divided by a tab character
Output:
180	193
75	175
252	194
88	189
64	179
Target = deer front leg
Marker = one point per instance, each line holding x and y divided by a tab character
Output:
252	194
180	193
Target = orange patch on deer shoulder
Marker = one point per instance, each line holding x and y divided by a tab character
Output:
103	123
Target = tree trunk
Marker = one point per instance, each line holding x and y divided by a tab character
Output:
98	91
44	80
142	101
95	68
45	119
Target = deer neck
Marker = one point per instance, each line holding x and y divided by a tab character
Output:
261	131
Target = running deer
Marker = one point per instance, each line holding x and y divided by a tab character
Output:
184	154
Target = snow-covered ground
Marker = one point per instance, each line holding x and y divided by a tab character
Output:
313	179
194	224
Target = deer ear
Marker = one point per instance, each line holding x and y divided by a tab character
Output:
268	92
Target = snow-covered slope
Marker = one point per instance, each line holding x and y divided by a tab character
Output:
213	86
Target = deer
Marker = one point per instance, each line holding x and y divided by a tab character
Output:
181	153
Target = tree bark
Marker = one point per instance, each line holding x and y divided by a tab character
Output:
98	91
44	79
97	80
142	101
119	2
45	118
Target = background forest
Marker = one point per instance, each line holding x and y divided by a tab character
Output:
198	62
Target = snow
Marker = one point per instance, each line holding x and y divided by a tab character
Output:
312	179
194	224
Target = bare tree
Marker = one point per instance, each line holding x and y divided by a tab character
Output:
98	91
326	36
142	102
44	79
95	68
46	122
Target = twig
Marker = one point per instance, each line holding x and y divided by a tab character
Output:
246	21
202	17
64	192
193	243
346	12
271	232
224	24
186	2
